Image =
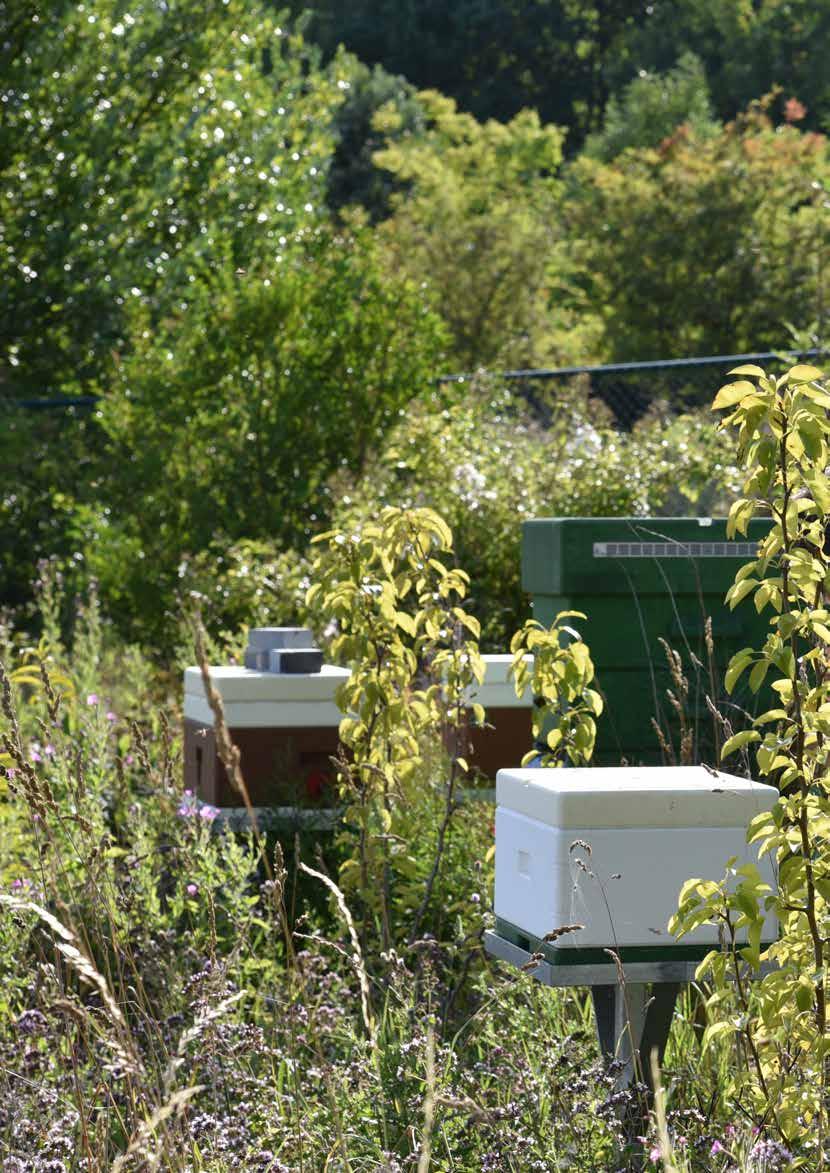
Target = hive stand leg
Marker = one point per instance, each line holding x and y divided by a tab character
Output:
657	1025
630	1018
620	1013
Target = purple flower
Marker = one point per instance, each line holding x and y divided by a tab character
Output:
31	1022
716	1148
192	889
129	759
92	698
49	750
111	716
17	884
654	1155
10	773
208	812
34	753
188	793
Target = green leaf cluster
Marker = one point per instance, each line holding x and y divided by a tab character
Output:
555	665
782	429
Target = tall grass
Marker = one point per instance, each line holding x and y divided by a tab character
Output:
176	997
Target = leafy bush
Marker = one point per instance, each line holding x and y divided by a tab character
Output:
477	224
480	457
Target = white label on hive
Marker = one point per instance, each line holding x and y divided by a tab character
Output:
675	549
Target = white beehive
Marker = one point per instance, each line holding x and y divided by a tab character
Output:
265	699
610	848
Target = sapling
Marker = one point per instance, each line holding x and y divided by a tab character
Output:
780	1022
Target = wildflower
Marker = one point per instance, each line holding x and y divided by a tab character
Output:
49	751
129	759
192	889
716	1148
654	1155
31	1022
10	773
111	716
208	812
34	752
17	884
188	793
92	698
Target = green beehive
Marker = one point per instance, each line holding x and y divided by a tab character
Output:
639	580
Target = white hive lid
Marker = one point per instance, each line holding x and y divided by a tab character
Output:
497	690
633	796
243	684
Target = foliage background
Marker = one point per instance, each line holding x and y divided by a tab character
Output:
259	238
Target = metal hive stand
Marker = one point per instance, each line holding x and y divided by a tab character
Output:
633	1004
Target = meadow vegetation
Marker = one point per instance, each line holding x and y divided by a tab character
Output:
179	996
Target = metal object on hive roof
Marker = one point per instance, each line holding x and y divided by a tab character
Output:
283	650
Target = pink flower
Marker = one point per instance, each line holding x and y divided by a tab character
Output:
10	772
654	1155
208	812
49	750
129	759
111	716
716	1148
92	698
34	753
729	1131
17	885
188	793
192	889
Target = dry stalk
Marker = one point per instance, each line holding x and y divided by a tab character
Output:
228	752
429	1103
139	1146
666	1153
357	954
67	945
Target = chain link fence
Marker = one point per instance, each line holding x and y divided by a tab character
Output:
630	389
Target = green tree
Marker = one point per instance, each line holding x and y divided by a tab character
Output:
353	177
747	47
708	245
652	107
478	226
131	144
494	57
228	418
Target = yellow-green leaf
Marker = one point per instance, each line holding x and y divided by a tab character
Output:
803	373
732	393
738	741
749	369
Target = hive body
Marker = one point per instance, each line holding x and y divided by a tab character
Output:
610	848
